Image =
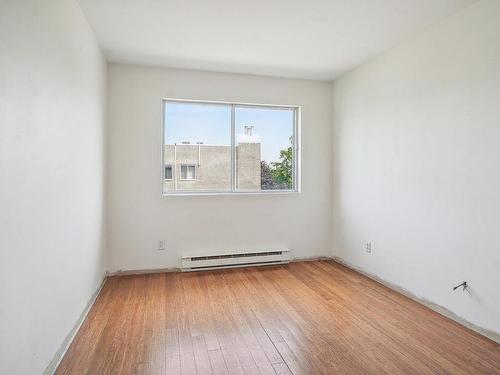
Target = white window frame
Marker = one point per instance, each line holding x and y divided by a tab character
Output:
296	139
171	172
187	166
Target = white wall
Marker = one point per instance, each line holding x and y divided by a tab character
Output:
417	164
138	217
52	103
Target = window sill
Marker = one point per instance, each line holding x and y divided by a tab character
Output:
229	193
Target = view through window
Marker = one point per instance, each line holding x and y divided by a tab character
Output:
219	147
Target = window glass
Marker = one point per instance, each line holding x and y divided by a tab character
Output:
264	148
168	172
198	146
188	172
229	147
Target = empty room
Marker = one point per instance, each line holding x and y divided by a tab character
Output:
249	187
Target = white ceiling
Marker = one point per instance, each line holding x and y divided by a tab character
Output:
317	39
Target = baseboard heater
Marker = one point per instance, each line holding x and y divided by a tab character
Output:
235	260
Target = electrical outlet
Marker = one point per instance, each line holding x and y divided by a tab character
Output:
369	247
161	245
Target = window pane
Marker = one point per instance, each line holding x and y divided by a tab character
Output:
168	172
198	138
188	172
264	148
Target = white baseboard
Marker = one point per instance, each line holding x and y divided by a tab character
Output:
54	364
177	269
143	271
311	259
431	305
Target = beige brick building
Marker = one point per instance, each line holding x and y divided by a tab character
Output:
194	167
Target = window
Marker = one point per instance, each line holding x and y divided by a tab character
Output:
188	172
229	148
168	172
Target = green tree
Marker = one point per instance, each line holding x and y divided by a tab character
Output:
282	170
266	176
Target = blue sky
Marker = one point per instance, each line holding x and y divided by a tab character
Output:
211	124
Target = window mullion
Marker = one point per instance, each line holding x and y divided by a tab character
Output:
233	150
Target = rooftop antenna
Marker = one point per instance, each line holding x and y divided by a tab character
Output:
248	129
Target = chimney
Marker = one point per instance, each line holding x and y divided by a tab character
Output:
249	129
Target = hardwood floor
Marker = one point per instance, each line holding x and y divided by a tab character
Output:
306	318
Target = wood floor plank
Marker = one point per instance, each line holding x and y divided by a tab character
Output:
172	358
217	362
246	325
304	318
135	354
201	357
142	369
109	349
223	323
237	333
